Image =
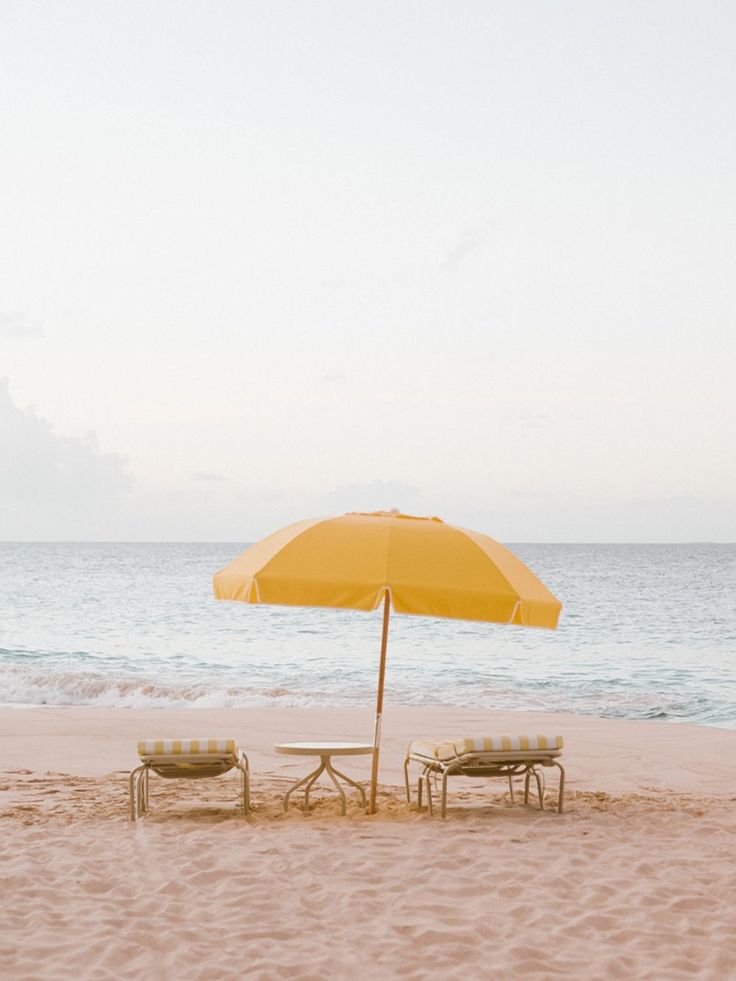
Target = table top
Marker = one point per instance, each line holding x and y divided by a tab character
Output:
324	749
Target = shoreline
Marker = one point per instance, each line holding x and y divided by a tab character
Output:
87	741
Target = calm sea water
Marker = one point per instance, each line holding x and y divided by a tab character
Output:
647	632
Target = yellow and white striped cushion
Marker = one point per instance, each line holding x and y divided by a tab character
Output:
508	744
449	750
187	747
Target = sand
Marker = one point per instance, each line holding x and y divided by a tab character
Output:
637	879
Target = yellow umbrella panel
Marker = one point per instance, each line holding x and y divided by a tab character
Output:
420	566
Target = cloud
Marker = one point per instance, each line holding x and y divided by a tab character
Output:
54	486
468	241
18	326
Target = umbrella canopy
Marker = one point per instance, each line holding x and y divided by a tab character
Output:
415	565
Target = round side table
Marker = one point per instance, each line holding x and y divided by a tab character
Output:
325	750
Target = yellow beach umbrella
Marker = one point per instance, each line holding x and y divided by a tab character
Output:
415	565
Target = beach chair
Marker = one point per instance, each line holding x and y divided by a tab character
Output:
490	756
189	759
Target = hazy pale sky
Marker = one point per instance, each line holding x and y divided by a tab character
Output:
265	261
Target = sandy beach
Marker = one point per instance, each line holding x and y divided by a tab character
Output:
635	879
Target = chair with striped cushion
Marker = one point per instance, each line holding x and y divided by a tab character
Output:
185	758
489	756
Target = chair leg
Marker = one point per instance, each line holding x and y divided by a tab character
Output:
560	798
245	775
406	780
419	792
511	789
142	794
134	789
540	788
444	795
429	794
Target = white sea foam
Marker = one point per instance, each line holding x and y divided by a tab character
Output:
25	687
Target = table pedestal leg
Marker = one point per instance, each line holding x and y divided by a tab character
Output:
310	779
338	788
315	774
347	779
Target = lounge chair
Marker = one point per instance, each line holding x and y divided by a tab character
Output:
185	758
492	756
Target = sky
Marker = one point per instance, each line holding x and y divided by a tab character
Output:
275	260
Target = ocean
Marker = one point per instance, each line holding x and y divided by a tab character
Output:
646	632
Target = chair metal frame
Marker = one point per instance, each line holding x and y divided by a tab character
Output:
187	767
525	763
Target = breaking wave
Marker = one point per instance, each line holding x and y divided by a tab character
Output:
24	687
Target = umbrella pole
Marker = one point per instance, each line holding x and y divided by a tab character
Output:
379	705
